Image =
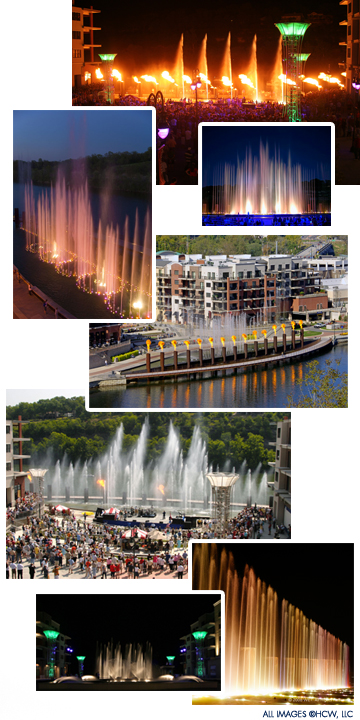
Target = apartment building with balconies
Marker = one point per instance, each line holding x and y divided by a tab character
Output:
351	65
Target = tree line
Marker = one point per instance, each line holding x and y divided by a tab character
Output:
230	437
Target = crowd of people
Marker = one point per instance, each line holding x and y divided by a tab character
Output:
23	505
56	547
177	157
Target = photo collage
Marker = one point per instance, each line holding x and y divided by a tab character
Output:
185	411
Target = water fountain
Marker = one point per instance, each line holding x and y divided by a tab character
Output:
59	228
252	69
202	63
261	184
174	480
269	646
132	663
226	70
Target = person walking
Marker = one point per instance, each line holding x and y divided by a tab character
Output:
13	570
20	569
180	571
32	571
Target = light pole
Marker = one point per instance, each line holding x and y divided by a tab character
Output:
196	85
200	636
80	659
292	36
51	636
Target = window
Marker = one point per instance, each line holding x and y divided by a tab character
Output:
8	448
208	295
8	466
176	282
208	304
176	292
193	275
287	267
76	16
201	286
208	285
272	267
176	272
177	302
279	432
76	53
76	35
8	429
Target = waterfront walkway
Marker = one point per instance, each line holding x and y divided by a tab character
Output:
31	306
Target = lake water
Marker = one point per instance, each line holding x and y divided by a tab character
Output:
262	388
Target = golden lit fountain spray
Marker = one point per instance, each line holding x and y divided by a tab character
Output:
223	349
212	351
187	343
199	342
174	343
148	345
283	327
233	337
161	345
256	343
264	333
244	337
274	327
293	334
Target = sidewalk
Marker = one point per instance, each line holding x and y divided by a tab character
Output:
26	306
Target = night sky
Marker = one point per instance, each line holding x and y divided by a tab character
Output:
63	134
317	578
309	146
145	33
158	619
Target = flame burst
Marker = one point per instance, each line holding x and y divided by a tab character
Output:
101	482
161	488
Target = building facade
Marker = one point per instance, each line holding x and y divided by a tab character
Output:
210	645
83	62
351	65
15	473
63	652
282	473
189	287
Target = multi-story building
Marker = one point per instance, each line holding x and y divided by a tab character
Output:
351	66
211	644
190	287
83	62
63	652
282	473
15	473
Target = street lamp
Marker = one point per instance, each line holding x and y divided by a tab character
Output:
196	85
138	305
51	636
200	636
80	659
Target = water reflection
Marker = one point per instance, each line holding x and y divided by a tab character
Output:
231	391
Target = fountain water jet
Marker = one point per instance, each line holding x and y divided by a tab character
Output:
268	647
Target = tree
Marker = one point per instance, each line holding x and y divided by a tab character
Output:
322	388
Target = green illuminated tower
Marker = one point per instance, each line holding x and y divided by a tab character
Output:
200	636
80	659
109	80
170	662
292	37
51	636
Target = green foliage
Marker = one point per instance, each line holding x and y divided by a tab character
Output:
243	244
327	388
126	172
230	437
124	356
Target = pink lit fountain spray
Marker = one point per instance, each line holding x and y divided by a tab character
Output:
59	227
